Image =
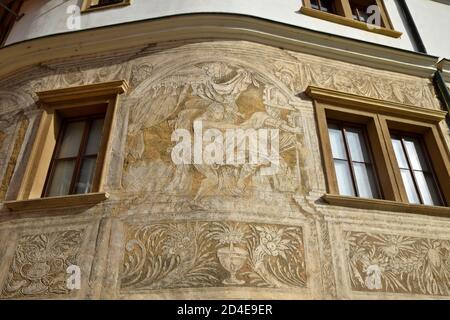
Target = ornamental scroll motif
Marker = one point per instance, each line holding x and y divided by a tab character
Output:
212	254
398	264
40	262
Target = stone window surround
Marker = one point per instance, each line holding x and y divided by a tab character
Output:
347	18
379	117
67	102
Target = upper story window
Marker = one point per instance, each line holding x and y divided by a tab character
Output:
382	155
75	156
70	156
369	15
90	5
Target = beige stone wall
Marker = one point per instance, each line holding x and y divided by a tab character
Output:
166	229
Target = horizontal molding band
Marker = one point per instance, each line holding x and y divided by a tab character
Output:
92	90
200	27
444	66
371	104
88	199
349	22
385	205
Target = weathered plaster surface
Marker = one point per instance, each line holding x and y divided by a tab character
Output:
198	231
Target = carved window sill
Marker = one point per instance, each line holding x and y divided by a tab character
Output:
386	205
87	199
349	22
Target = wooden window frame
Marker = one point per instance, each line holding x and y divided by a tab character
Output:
426	155
345	17
343	125
56	105
87	5
380	118
80	154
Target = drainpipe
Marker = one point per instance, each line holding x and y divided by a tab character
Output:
412	26
442	90
441	87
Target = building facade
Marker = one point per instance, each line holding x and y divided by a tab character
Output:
118	119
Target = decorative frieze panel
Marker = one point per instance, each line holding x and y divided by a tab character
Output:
38	268
392	263
212	254
365	82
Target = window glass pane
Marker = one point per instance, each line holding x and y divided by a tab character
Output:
360	13
327	6
72	139
86	176
365	180
95	137
315	4
399	153
62	177
413	197
357	145
337	142
415	154
100	3
427	188
344	178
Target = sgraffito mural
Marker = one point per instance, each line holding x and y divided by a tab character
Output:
212	254
222	96
197	224
40	262
398	264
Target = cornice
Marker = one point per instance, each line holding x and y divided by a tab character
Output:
198	27
92	90
444	66
368	104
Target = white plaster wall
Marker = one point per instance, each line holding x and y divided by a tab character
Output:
432	18
45	17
